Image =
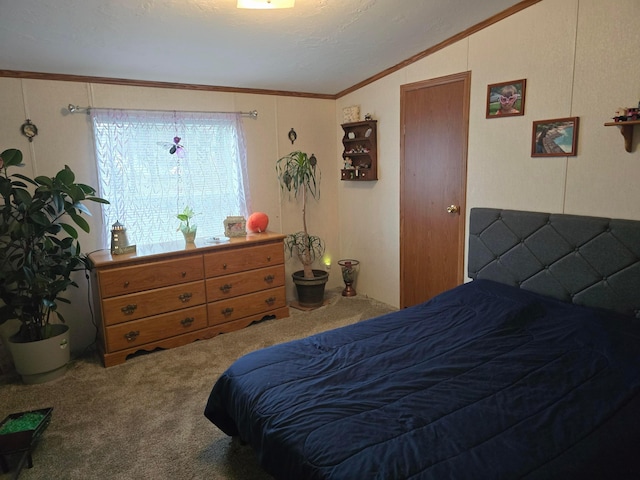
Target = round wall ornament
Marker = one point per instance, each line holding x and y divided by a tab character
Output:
29	130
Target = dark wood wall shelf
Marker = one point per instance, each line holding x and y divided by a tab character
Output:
360	153
626	129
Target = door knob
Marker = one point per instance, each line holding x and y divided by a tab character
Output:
453	209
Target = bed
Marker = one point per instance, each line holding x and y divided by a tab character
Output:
531	370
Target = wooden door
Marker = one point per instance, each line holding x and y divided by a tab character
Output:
434	130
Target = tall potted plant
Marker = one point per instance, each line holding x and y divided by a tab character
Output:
39	251
299	175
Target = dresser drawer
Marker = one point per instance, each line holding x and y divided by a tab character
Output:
151	329
242	283
119	281
245	305
243	259
161	300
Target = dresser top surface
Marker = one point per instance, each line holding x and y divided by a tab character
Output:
161	251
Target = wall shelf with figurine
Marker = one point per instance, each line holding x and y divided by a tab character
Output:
626	119
626	129
360	153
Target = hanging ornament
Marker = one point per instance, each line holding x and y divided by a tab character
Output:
177	148
292	135
29	130
174	147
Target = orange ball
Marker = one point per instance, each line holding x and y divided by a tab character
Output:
258	222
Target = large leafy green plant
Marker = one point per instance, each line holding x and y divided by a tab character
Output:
39	247
297	174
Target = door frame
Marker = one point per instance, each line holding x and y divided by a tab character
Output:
465	78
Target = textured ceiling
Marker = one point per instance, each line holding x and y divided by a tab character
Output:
320	46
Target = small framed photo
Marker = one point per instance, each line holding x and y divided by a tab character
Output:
351	114
506	99
554	138
235	227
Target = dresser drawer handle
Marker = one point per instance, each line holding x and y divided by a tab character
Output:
185	297
187	321
270	301
126	284
269	278
269	258
129	309
227	311
226	288
224	266
131	336
184	274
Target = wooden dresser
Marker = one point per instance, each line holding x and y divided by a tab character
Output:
167	295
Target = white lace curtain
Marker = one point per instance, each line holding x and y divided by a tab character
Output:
147	185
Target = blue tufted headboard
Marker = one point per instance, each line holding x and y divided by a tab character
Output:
585	260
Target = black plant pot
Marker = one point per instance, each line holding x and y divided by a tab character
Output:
310	290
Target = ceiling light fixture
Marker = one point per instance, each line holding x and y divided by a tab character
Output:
264	4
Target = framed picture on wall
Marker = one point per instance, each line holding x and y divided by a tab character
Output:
506	99
554	138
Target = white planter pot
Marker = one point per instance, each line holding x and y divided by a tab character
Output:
7	330
44	360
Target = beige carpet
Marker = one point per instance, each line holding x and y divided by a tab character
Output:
144	419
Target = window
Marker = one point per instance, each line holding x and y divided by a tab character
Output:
147	185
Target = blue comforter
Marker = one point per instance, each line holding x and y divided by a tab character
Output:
484	381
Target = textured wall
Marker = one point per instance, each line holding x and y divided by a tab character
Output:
578	59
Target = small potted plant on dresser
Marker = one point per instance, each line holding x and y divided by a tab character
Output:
188	229
39	251
299	175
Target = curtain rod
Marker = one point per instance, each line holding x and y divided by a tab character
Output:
76	109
